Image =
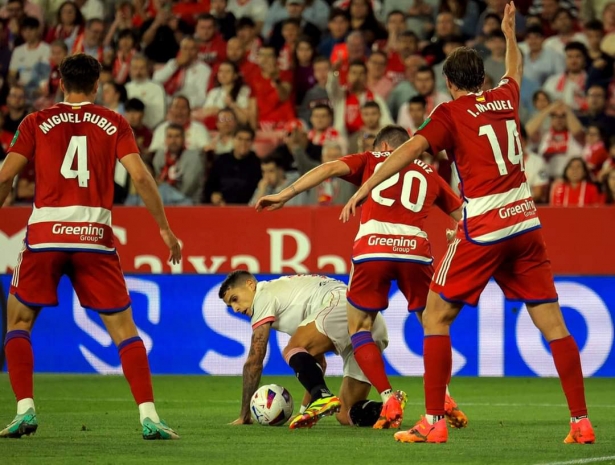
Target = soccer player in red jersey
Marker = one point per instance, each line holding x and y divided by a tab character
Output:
390	245
499	235
76	145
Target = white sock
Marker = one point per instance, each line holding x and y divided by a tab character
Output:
431	419
24	404
385	395
303	409
577	419
148	410
448	393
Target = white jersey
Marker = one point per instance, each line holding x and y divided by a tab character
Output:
286	302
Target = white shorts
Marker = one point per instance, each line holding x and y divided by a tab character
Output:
332	321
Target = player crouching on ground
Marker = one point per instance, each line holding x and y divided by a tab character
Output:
312	310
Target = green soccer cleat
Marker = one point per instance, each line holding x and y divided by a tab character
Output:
23	425
160	430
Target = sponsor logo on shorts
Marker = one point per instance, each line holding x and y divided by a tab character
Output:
401	244
87	233
527	208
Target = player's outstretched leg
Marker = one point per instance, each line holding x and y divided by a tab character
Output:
20	363
356	410
549	320
369	358
135	365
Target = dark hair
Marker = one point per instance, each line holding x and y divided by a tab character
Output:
30	23
395	12
234	279
245	128
418	99
305	40
561	10
594	25
465	69
134	104
392	134
370	104
609	196
497	34
126	33
601	130
337	13
320	59
587	177
492	16
59	43
238	84
181	97
453	39
409	34
535	30
426	69
78	16
576	46
279	163
243	22
381	53
80	73
358	63
120	89
91	21
295	21
176	127
207	17
322	106
540	92
463	5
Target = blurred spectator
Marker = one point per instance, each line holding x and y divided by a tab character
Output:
126	50
420	14
540	101
48	76
236	53
377	80
189	11
158	35
90	41
569	86
601	62
425	85
494	63
296	138
413	113
149	92
596	105
230	92
91	9
367	143
333	191
6	137
295	9
362	18
609	188
497	7
27	56
304	78
493	22
563	25
114	97
539	64
274	180
449	45
344	54
370	114
182	170
69	25
124	12
546	11
338	27
321	120
609	164
535	170
211	44
225	19
291	30
445	27
255	9
185	75
347	100
316	12
14	12
248	35
222	141
16	109
134	112
465	12
594	150
106	76
196	135
405	90
235	175
399	45
576	188
25	185
318	93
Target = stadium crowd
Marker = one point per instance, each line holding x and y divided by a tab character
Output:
233	100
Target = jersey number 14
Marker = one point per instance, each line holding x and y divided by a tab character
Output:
515	151
78	146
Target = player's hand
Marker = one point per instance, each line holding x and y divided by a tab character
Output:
242	421
350	209
173	244
508	22
450	235
270	203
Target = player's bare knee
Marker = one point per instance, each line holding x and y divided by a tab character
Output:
548	318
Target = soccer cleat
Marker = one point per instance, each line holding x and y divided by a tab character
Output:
318	409
152	430
581	432
424	432
22	425
392	412
455	417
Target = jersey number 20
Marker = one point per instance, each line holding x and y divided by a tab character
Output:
78	146
515	151
406	189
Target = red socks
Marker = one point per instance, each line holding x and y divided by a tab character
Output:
369	358
136	369
20	363
568	365
438	360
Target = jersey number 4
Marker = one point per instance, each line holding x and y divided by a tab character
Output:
78	146
515	151
409	178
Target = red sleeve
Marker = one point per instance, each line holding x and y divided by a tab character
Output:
447	200
24	140
509	89
126	143
438	130
357	163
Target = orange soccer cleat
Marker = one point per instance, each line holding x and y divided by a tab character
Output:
455	417
424	432
581	432
392	412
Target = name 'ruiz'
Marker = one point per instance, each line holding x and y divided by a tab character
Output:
496	105
98	120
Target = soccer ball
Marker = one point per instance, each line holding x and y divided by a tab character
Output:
271	405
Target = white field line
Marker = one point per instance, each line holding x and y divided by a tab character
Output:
580	461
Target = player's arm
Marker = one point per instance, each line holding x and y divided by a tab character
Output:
310	179
399	159
12	166
148	190
514	58
252	370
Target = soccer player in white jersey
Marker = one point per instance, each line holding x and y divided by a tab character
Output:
312	310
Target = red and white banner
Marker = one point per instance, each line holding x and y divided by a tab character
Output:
304	239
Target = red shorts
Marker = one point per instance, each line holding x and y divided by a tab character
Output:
519	265
96	277
370	283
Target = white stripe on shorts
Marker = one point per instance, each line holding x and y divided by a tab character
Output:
446	263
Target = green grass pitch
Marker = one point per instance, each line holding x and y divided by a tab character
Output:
92	419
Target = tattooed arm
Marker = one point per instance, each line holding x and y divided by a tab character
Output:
252	371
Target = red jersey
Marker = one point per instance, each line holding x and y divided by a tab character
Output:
393	215
75	146
214	51
480	133
564	194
